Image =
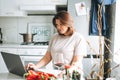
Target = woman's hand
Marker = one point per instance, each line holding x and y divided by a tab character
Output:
31	66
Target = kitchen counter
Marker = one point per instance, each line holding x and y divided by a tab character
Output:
28	53
10	76
22	46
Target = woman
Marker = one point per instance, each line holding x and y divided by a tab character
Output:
67	42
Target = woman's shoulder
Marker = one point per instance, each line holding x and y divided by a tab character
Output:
78	35
54	35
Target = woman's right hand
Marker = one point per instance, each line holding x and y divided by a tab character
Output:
31	66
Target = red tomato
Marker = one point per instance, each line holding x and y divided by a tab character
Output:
51	75
46	76
67	66
31	72
43	75
32	75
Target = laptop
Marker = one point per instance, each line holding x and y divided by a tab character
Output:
13	63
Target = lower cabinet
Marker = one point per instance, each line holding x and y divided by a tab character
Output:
33	55
3	67
89	65
27	55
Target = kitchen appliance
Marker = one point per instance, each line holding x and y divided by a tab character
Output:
27	38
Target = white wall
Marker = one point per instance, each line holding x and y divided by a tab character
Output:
12	26
116	58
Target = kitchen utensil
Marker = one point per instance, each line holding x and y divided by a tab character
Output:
27	38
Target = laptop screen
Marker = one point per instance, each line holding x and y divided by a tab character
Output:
13	63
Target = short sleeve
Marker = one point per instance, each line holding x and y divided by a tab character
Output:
50	43
80	46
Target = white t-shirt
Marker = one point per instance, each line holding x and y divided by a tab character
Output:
68	46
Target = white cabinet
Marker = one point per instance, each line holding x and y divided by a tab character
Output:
27	54
3	67
9	50
31	51
90	65
10	8
44	2
33	55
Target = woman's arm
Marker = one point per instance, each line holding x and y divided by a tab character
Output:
76	59
45	60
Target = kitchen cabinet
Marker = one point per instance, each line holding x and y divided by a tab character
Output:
10	8
28	53
33	55
44	2
3	67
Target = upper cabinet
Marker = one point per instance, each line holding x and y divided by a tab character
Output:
10	8
44	2
16	7
42	6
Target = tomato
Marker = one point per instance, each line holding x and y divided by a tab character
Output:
43	75
32	75
67	66
46	76
31	72
51	75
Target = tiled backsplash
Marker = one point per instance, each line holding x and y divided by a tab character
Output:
43	31
11	27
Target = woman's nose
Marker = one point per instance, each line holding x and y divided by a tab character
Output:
58	26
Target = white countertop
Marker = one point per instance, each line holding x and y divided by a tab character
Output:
10	76
9	45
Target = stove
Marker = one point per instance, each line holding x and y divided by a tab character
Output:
34	43
41	43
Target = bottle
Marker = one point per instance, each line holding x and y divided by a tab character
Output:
1	37
67	75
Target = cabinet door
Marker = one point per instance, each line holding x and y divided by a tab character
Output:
10	8
30	51
9	50
44	2
3	67
33	55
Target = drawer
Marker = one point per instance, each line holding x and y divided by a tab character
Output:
31	51
9	50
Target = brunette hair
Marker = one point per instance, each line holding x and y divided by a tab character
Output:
66	20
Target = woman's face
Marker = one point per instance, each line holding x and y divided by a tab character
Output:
62	29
